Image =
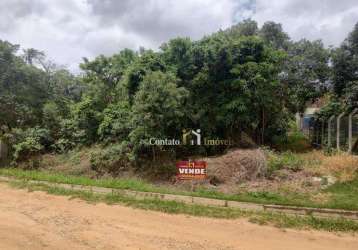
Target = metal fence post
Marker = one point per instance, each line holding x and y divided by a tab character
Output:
329	131
339	130
350	130
322	134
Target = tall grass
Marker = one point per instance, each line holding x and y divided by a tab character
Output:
340	165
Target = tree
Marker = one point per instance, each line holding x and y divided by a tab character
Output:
247	27
177	55
23	89
257	89
306	73
30	55
239	80
273	34
157	108
345	65
147	62
116	123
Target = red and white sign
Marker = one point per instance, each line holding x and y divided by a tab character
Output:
191	170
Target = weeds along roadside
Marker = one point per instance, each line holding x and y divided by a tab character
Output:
173	207
341	195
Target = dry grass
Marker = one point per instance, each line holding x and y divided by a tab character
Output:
237	166
321	197
74	162
341	165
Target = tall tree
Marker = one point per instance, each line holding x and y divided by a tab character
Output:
30	55
157	108
306	73
345	66
273	34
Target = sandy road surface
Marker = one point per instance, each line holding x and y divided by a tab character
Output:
37	220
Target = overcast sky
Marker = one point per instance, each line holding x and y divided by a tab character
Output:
68	30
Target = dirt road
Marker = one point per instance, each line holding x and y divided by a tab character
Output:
37	220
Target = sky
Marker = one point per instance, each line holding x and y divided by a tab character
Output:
68	30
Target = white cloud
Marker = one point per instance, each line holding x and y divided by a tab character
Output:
68	30
329	20
159	20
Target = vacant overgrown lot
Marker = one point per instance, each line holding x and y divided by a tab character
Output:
310	179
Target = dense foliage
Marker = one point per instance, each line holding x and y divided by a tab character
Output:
343	96
240	81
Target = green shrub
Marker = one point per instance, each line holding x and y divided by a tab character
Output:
28	143
69	135
115	125
294	140
112	159
285	160
62	145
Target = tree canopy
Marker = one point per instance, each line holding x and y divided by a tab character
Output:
242	80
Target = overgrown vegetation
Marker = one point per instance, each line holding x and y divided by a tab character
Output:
341	195
294	141
243	80
286	160
343	96
111	159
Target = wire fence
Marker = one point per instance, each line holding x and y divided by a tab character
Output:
337	132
